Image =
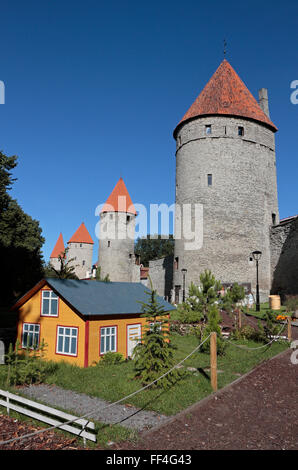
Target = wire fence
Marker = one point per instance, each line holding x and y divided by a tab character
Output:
110	405
240	346
94	410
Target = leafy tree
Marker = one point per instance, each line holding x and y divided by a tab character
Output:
154	355
20	239
149	248
232	297
20	250
6	165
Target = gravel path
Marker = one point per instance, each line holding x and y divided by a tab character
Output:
258	411
80	404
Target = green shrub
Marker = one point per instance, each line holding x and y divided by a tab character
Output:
27	366
213	325
292	304
249	333
111	358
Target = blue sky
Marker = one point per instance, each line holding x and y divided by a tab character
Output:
94	90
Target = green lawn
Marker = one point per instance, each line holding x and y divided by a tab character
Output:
263	309
115	382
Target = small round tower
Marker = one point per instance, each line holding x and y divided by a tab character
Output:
225	164
59	250
80	249
116	237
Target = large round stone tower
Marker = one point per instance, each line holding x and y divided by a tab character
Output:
116	237
225	164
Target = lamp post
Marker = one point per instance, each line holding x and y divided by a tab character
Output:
184	271
257	256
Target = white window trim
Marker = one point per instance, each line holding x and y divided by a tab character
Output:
50	303
104	335
70	337
35	332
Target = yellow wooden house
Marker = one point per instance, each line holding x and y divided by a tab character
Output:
81	320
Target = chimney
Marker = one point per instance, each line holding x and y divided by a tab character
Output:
263	101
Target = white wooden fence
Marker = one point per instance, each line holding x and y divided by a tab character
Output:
9	404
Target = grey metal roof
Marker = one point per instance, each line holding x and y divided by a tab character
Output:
104	298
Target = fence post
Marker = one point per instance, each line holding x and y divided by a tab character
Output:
239	319
7	405
213	361
289	329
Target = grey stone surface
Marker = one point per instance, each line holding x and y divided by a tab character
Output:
81	253
284	257
80	404
161	274
237	208
116	247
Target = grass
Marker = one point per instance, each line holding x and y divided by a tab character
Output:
263	309
114	382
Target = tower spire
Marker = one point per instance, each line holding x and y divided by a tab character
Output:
225	48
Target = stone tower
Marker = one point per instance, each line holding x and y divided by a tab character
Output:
80	248
57	251
225	163
116	237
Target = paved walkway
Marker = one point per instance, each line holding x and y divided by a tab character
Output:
258	411
80	404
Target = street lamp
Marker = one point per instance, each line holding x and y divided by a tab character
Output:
184	271
257	256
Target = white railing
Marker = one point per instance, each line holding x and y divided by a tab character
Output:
9	404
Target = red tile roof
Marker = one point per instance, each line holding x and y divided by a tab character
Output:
226	94
81	236
58	248
119	200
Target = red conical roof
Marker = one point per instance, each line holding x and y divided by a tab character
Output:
58	248
119	200
81	236
226	94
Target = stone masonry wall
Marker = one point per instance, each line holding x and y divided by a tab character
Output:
161	274
284	258
237	208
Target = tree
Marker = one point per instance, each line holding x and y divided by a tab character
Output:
154	355
66	269
6	165
200	298
21	240
231	299
150	248
213	325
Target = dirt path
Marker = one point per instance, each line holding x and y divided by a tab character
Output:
258	411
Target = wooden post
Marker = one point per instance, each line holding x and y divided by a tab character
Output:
289	329
213	361
239	319
7	405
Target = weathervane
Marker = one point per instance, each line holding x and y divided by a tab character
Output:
225	48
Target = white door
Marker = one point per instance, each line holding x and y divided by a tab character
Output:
133	337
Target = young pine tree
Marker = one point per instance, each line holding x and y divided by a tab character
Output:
200	299
154	355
